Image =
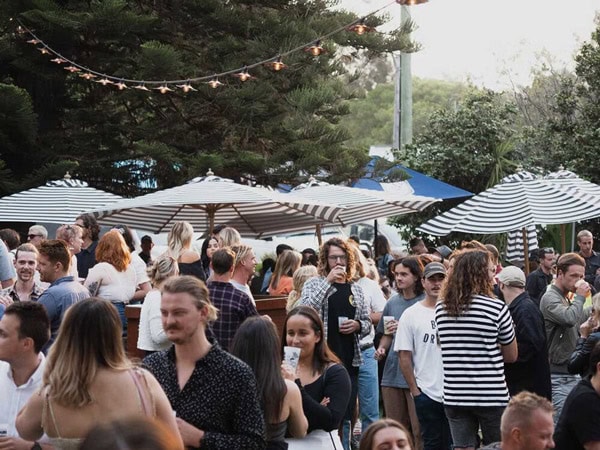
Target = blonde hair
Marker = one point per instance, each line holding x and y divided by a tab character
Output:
162	268
195	288
300	277
179	238
229	237
241	251
286	264
89	339
68	232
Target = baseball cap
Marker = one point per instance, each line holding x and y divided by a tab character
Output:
433	268
444	250
512	276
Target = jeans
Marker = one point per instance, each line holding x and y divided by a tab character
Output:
465	422
347	420
435	430
562	384
121	310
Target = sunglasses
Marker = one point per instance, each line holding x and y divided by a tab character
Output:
33	236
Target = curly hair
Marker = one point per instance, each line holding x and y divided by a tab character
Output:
323	267
469	276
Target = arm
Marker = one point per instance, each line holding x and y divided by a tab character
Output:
406	366
142	290
581	356
94	279
384	346
29	419
157	332
297	423
563	315
510	352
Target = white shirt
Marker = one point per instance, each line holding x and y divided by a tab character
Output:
13	397
152	336
417	333
375	303
115	286
244	288
141	272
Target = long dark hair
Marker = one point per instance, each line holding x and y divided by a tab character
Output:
257	344
323	355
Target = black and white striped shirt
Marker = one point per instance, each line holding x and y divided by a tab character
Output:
473	363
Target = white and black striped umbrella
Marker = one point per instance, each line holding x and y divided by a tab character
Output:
58	201
206	201
365	204
519	201
570	180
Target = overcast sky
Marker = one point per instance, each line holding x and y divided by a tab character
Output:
481	39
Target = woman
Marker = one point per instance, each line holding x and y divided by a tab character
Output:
209	247
397	401
474	326
113	278
256	343
386	434
179	241
141	275
383	253
89	380
152	336
323	381
229	237
73	236
590	335
300	277
281	281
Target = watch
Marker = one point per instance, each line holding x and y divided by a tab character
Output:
36	446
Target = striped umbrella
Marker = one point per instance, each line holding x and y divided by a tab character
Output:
519	201
516	247
365	204
58	201
204	201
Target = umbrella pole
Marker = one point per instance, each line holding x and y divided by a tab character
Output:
563	238
319	237
526	251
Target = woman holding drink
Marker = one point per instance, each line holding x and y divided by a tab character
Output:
323	381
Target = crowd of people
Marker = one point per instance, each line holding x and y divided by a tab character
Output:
428	349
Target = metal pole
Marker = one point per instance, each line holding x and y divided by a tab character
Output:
406	126
397	108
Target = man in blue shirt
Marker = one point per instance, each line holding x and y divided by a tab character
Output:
54	262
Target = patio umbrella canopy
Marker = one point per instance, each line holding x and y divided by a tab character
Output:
520	200
58	201
206	201
364	204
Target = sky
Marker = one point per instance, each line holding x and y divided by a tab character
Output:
492	43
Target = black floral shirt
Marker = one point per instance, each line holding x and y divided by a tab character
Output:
220	398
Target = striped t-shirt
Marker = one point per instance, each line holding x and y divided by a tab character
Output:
473	363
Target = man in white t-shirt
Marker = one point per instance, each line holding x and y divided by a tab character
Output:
421	360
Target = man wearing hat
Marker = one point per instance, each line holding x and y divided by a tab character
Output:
531	371
421	360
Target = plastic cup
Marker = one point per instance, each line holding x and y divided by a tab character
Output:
387	322
341	320
291	356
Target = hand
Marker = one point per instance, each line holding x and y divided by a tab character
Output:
6	300
587	327
349	327
391	328
14	443
380	353
415	393
583	289
337	275
190	434
288	372
325	401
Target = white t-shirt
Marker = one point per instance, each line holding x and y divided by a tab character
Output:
151	335
244	288
141	274
417	333
115	286
375	302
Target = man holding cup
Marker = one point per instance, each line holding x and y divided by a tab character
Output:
342	307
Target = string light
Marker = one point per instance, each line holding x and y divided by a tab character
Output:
43	50
314	48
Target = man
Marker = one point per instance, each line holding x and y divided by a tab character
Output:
421	360
341	304
417	246
25	288
562	318
585	241
146	252
539	279
579	424
213	393
37	234
54	262
12	240
234	306
86	258
244	267
526	424
7	268
24	329
531	371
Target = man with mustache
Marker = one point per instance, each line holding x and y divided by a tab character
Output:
25	288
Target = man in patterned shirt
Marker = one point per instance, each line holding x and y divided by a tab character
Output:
25	288
234	305
213	394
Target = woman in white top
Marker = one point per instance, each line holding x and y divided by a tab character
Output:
113	278
73	236
152	336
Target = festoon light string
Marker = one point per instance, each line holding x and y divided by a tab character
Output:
276	62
